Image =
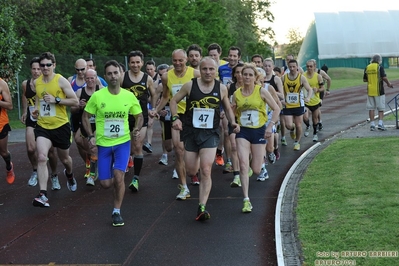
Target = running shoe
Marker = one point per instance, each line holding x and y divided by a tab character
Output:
236	181
219	160
263	175
90	181
319	126
117	219
130	164
33	179
55	183
228	168
147	147
307	131
293	133
202	214
163	160
372	127
247	206
250	172
381	127
315	138
87	174
184	193
277	153
283	141
72	185
297	146
271	158
41	201
10	178
195	181
175	175
134	185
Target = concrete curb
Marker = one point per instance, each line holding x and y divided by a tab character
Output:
282	200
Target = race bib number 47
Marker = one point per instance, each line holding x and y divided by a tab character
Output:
203	117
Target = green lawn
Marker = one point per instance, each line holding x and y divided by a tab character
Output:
349	201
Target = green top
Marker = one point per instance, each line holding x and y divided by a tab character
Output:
112	112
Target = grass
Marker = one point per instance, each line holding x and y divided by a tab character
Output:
349	201
349	77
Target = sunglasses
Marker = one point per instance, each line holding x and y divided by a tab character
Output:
46	65
80	69
309	66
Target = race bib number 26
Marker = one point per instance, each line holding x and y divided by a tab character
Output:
114	128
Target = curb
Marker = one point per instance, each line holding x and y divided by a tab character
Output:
281	201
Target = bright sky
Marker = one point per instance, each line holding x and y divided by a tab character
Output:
298	14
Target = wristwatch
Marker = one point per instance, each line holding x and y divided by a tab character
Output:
90	137
175	117
57	100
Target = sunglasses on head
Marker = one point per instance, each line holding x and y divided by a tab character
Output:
47	65
80	69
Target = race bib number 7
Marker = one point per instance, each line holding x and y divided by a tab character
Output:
114	128
249	118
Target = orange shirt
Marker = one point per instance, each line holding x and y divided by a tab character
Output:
3	115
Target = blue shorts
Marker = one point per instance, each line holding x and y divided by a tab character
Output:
253	135
111	158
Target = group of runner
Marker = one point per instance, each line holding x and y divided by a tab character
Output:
211	110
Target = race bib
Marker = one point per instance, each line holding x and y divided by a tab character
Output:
249	118
292	98
203	117
114	128
47	109
175	89
168	114
226	80
92	119
31	109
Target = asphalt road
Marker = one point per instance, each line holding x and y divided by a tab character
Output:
159	230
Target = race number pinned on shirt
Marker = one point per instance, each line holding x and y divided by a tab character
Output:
92	119
175	89
292	98
249	118
114	128
203	117
168	114
31	109
47	109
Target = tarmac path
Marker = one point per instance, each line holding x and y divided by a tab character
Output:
159	230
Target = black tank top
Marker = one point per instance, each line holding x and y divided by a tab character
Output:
30	95
198	99
139	89
271	82
85	96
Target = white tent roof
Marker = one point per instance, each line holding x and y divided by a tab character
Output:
357	34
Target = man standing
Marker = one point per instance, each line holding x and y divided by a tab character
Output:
172	82
53	94
142	86
375	76
111	107
200	132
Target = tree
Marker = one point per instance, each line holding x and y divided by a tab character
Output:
11	56
295	42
